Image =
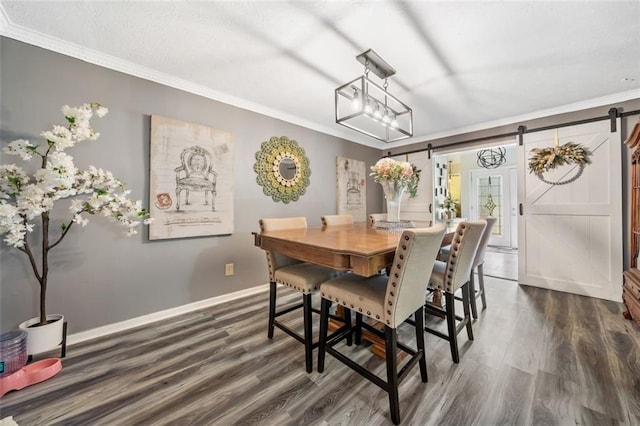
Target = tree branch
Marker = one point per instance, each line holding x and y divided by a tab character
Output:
62	235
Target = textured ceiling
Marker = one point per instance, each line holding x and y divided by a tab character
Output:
461	66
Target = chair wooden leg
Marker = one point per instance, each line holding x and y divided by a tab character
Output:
418	317
451	325
467	314
358	336
308	331
272	308
324	327
391	342
481	285
347	322
472	293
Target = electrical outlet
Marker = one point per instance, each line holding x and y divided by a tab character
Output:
228	269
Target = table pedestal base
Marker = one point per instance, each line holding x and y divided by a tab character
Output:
378	347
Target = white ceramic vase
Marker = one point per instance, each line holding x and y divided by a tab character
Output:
393	193
45	337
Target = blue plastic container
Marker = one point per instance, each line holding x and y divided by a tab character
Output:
13	352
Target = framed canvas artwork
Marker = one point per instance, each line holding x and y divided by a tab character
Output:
191	180
351	188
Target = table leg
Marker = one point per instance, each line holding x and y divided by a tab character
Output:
437	298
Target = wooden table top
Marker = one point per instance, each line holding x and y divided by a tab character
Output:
360	248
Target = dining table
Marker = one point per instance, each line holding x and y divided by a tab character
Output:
360	248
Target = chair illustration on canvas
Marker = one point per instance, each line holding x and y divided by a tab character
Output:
354	196
196	175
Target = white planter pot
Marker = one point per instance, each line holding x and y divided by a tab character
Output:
45	337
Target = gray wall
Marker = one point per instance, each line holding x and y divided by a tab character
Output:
98	276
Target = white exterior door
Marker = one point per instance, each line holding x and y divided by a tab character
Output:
420	207
570	235
489	193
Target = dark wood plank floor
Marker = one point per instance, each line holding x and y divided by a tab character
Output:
540	357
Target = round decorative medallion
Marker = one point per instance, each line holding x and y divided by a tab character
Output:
282	168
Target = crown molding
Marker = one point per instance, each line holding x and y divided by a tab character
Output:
519	119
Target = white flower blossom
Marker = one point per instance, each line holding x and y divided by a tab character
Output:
12	178
24	198
101	111
80	220
20	147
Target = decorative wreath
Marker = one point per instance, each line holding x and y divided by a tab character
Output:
545	159
267	165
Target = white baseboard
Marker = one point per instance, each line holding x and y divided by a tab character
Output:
160	315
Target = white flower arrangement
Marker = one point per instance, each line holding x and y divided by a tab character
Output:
25	198
448	204
402	173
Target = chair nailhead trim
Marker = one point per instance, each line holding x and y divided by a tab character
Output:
352	306
390	303
393	283
369	313
391	294
377	316
388	322
406	237
389	312
360	309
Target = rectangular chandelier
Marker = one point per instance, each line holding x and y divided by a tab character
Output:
368	108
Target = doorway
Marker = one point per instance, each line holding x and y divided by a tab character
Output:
480	191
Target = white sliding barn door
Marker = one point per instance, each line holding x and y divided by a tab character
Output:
570	236
420	207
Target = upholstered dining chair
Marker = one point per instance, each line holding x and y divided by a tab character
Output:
376	217
388	300
303	277
478	263
452	275
336	219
